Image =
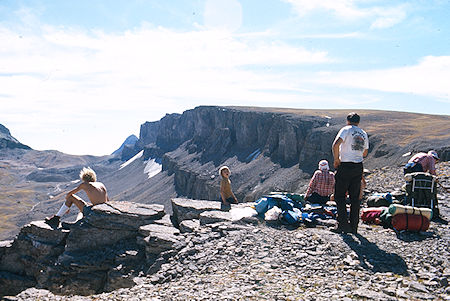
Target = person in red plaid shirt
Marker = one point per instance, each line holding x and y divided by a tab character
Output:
321	186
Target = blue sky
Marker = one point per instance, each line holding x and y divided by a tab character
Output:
80	76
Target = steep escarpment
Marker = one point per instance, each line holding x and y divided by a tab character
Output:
274	149
216	133
259	147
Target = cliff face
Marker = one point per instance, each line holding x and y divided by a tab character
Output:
270	149
220	132
256	146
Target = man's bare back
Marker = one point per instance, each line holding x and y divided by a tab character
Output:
95	191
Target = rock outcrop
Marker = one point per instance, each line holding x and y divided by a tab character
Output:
101	251
105	250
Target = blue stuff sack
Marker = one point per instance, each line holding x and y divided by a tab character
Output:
290	217
264	204
261	205
310	219
282	201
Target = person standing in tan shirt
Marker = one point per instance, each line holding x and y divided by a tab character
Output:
96	192
226	193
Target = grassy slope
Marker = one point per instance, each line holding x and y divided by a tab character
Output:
403	127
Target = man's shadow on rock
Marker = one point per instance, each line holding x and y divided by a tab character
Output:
407	236
375	259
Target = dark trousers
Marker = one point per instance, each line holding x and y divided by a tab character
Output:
316	198
348	179
412	167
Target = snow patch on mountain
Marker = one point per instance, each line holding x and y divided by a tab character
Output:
152	168
137	156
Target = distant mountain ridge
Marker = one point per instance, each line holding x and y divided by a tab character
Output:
127	144
275	149
8	141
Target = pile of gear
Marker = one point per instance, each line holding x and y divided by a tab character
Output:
411	210
292	209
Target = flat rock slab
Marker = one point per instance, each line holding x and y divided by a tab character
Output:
152	228
189	226
40	232
186	209
87	237
122	215
165	221
158	242
211	217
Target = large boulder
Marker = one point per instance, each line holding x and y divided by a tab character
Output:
108	223
41	233
189	226
159	239
122	215
97	253
87	237
35	244
186	209
212	217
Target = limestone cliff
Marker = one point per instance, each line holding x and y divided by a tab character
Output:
256	145
272	149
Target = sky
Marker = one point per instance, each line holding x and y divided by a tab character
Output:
79	76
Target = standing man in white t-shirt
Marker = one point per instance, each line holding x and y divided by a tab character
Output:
350	146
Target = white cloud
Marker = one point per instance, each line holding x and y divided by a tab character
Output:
429	78
342	8
388	17
75	83
223	14
351	10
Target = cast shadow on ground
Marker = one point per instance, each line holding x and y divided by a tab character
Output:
408	236
373	258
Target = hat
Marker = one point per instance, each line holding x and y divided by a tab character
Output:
323	165
222	169
434	154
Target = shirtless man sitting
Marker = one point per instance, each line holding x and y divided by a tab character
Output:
95	191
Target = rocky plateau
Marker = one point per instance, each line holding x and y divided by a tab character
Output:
156	241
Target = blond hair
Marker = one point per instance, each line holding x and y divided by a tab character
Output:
88	175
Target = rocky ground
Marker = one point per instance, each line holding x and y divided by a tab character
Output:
273	262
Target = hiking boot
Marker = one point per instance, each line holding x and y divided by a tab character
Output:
338	230
341	230
52	221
